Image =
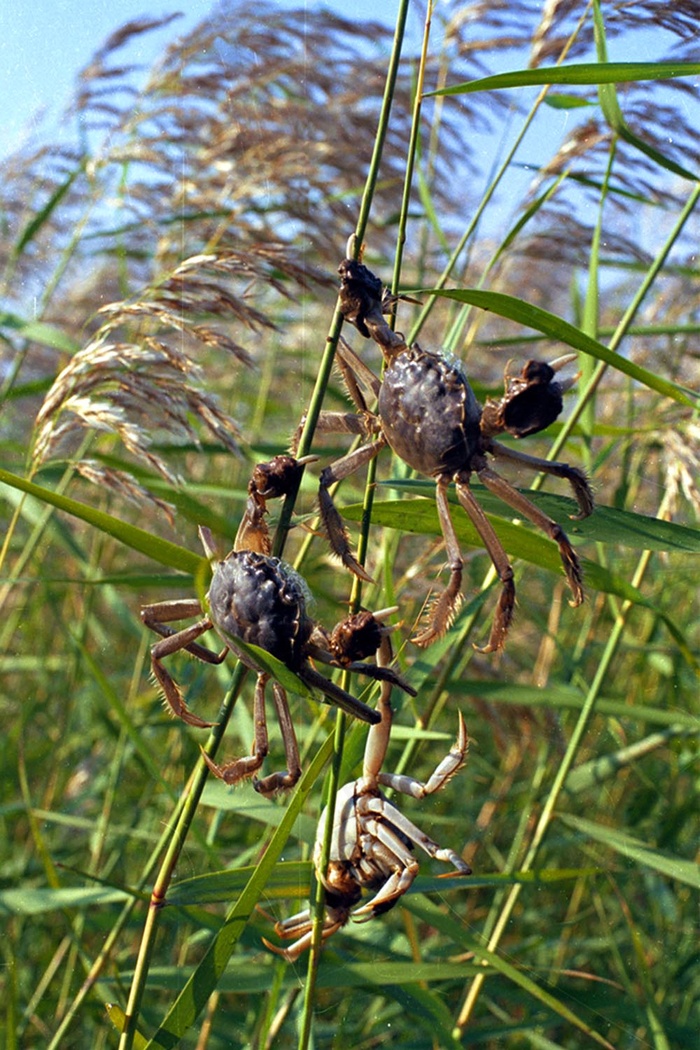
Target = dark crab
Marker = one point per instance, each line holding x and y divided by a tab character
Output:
261	601
428	414
372	841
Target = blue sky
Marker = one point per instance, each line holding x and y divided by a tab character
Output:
44	44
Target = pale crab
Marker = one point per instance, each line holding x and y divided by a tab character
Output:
261	601
428	414
372	841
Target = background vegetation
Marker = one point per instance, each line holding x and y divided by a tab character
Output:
168	282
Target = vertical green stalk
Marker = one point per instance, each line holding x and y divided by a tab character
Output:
552	799
176	840
318	910
623	326
326	365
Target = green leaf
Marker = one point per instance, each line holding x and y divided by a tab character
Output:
38	332
43	899
44	214
266	662
420	516
252	806
160	550
118	1019
561	101
605	525
557	328
566	697
289	879
665	864
580	74
592	774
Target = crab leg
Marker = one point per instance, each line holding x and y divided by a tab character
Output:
356	375
291	926
173	641
504	610
505	491
377	743
332	522
402	824
276	781
240	768
444	772
158	615
576	478
444	608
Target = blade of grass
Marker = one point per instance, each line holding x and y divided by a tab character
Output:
193	997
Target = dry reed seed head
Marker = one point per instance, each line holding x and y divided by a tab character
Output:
682	461
134	389
123	485
131	391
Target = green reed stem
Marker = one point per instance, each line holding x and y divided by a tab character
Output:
585	715
623	327
176	836
318	909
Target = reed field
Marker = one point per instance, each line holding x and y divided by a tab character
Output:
528	176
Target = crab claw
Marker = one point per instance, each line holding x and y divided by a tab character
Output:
207	540
561	362
532	400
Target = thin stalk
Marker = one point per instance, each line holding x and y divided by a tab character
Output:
489	192
326	365
623	327
288	506
176	840
412	150
552	799
319	893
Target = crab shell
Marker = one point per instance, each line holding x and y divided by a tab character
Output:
262	601
429	413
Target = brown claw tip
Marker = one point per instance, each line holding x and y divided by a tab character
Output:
455	874
216	770
491	647
275	948
426	638
356	569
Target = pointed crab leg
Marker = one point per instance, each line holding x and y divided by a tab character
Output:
444	608
505	491
504	610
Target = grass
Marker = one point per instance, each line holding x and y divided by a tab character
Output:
168	319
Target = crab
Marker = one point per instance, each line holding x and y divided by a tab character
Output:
260	600
372	841
428	414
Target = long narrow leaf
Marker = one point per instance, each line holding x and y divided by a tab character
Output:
160	550
557	328
580	74
673	867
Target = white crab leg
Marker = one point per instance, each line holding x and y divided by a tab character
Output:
450	764
396	885
386	812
